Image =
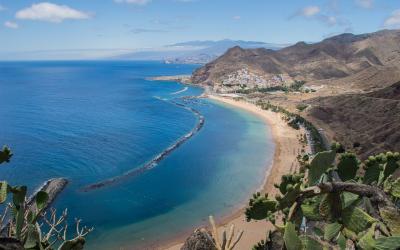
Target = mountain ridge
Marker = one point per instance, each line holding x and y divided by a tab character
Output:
332	58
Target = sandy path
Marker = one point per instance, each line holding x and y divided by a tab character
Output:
286	150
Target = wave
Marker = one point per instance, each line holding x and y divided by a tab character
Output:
153	162
180	91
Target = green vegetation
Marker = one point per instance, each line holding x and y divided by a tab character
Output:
28	226
295	87
334	202
300	107
294	119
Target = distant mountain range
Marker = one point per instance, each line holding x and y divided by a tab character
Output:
194	52
333	58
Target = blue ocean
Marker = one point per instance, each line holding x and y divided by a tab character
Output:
89	121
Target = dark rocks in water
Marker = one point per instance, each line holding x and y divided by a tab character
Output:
52	187
153	163
199	241
10	244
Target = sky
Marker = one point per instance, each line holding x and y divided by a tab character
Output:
105	26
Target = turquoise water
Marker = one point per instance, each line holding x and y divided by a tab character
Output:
90	121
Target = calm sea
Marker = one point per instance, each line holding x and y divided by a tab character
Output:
89	121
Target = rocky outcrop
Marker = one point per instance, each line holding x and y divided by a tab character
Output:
52	187
199	241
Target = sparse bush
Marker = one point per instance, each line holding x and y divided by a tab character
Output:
301	107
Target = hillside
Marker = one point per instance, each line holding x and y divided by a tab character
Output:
371	119
334	58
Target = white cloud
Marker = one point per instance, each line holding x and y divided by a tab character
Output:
329	20
136	2
50	12
367	4
236	17
11	25
2	7
393	20
310	11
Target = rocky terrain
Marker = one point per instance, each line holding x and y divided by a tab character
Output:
366	123
367	58
355	81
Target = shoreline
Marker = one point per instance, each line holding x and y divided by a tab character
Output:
287	146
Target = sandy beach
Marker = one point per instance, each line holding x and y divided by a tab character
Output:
287	147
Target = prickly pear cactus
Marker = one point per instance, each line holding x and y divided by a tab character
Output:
260	207
348	166
292	240
311	243
395	190
319	165
373	168
311	211
348	199
392	163
288	182
386	243
290	197
356	220
367	241
332	230
336	210
5	155
391	217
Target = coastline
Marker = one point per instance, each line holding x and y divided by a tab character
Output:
287	147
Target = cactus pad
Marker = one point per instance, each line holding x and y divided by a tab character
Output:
310	211
332	230
367	241
319	165
290	237
392	219
260	207
356	220
373	167
348	166
290	197
392	163
348	199
388	243
5	155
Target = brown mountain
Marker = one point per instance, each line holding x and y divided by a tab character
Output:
331	59
372	119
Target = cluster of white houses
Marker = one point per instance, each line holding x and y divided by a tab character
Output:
245	79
